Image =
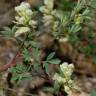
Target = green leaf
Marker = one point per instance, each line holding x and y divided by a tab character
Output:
93	3
93	93
63	17
18	69
86	50
19	72
56	86
36	53
36	67
79	6
15	78
26	55
34	44
9	31
46	66
86	12
20	77
75	28
26	78
51	55
14	29
13	70
54	61
48	89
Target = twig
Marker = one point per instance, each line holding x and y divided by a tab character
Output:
13	63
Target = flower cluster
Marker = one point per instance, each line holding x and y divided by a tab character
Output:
49	18
24	15
78	19
81	17
64	78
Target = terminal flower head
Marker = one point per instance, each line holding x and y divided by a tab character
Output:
22	7
64	77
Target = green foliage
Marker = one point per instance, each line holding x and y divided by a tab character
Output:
72	24
90	50
19	72
93	3
86	50
65	4
75	28
50	60
33	57
68	20
36	53
93	93
26	55
9	31
57	86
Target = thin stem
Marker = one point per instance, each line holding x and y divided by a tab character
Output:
13	63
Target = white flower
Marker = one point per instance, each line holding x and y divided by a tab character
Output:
32	60
55	24
22	20
29	12
67	69
46	1
33	23
70	82
65	78
24	13
21	30
55	76
43	9
67	89
54	12
59	79
17	18
17	8
63	39
48	17
71	66
26	5
64	66
49	3
23	6
46	23
67	74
